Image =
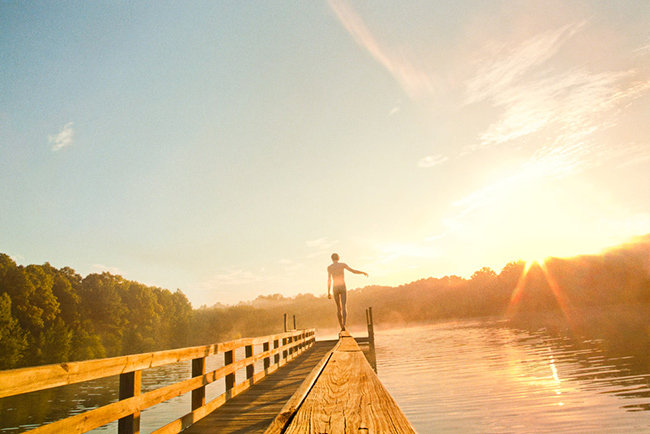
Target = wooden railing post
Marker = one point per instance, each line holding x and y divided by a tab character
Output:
284	352
285	322
228	359
371	339
198	395
294	322
267	360
250	369
130	385
371	328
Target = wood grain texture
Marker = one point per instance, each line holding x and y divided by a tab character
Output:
24	380
291	407
348	397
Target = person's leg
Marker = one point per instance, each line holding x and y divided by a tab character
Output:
343	309
337	299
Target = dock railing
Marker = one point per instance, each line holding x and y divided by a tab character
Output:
342	394
277	350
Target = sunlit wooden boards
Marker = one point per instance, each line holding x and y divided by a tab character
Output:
253	410
348	397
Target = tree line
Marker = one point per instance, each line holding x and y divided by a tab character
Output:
50	315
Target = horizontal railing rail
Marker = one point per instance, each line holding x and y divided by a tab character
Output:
277	350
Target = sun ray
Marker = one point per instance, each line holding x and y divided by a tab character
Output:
518	291
562	300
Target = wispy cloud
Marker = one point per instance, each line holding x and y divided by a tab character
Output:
415	79
505	65
432	160
637	154
437	237
64	139
575	104
100	268
322	245
553	162
291	266
390	258
565	113
568	105
17	258
644	50
563	117
232	277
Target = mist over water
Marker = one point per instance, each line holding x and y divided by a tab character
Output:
464	376
485	376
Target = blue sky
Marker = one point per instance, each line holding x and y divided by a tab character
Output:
227	149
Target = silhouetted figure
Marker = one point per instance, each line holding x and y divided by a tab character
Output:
336	280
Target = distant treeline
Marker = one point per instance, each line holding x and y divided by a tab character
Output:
619	277
50	315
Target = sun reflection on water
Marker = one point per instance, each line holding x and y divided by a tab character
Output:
486	377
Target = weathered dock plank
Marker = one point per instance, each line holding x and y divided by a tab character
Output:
347	397
253	410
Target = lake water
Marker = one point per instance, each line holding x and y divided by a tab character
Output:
485	377
459	377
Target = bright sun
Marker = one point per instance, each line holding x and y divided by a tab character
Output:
533	221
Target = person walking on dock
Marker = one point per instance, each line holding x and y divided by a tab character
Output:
336	281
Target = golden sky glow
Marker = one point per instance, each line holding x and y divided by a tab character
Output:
228	150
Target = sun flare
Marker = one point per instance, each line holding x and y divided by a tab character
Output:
562	300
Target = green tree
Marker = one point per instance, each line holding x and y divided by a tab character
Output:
13	341
103	308
86	345
65	288
6	263
33	305
143	314
21	291
175	319
43	297
57	343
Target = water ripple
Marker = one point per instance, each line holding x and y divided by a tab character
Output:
483	377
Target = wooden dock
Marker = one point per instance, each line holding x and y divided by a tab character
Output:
341	395
305	387
255	409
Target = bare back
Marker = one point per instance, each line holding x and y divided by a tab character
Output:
336	271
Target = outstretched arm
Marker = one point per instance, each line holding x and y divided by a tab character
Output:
352	270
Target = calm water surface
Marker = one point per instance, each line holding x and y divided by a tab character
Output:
25	412
484	377
461	377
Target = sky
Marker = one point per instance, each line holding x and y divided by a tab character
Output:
227	149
